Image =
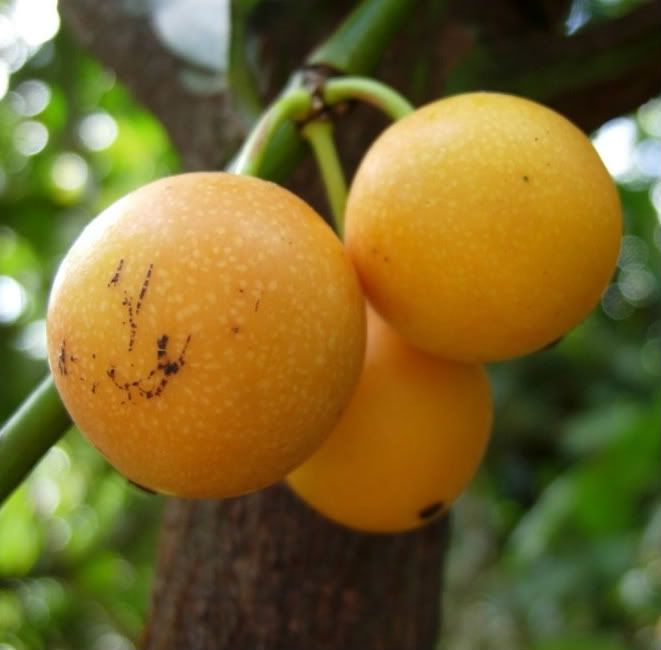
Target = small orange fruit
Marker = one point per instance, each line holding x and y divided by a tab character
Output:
483	226
409	442
205	333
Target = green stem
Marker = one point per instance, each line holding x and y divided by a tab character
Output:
37	425
373	92
319	133
242	83
356	46
294	105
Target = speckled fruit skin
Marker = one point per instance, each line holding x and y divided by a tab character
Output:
483	226
205	332
409	442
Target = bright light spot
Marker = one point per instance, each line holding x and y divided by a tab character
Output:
636	284
633	250
32	340
614	304
635	588
59	534
113	641
97	131
55	463
4	78
30	137
579	15
7	33
45	495
69	172
650	356
647	157
16	55
35	95
615	143
655	197
12	299
36	21
649	116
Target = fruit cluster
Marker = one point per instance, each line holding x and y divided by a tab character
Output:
209	334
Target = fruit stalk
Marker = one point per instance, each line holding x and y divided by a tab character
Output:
319	133
29	433
369	91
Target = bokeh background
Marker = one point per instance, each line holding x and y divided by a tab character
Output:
556	546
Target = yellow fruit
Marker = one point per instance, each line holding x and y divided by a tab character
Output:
205	333
409	442
483	226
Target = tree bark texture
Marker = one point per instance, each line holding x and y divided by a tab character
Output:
263	571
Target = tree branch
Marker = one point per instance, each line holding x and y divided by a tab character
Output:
265	572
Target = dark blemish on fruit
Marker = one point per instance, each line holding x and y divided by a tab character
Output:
142	488
235	329
257	305
386	259
171	369
241	290
62	358
161	346
93	356
373	251
165	366
131	313
115	278
94	387
73	358
431	510
526	179
143	289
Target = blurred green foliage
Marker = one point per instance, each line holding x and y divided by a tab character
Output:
557	546
77	542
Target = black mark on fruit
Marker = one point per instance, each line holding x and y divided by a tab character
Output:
156	380
526	179
117	274
94	387
257	305
132	312
431	510
235	329
143	289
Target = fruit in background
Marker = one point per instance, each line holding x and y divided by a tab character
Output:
205	333
409	442
483	226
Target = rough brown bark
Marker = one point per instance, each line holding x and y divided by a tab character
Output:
263	571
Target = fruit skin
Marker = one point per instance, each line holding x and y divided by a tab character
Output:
205	333
483	226
409	442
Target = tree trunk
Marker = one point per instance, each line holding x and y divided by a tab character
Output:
263	571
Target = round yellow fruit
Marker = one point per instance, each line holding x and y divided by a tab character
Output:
409	442
205	332
483	226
